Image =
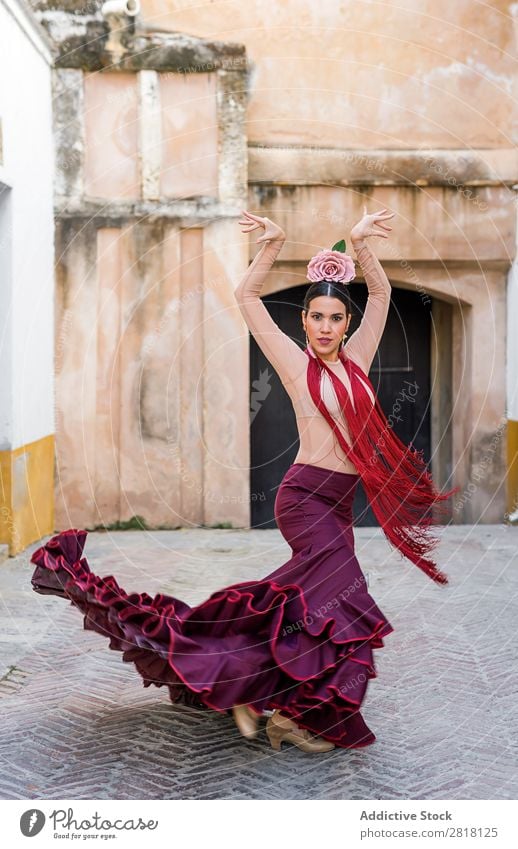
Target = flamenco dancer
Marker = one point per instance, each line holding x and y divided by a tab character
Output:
298	643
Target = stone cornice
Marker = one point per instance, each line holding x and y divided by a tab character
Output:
296	165
93	43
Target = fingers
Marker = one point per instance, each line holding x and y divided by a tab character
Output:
373	231
250	215
248	222
383	213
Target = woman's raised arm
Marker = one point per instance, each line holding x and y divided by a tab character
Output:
286	357
364	342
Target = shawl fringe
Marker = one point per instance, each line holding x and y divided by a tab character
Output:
395	476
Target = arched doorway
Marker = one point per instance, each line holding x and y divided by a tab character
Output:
400	373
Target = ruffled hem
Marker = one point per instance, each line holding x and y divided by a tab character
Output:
251	642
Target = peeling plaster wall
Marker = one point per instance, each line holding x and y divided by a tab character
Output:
367	75
401	107
150	180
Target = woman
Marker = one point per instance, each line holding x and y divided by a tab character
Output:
299	642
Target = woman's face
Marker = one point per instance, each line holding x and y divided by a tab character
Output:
325	323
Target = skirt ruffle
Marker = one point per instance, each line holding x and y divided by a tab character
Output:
255	642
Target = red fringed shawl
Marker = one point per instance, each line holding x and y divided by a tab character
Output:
396	480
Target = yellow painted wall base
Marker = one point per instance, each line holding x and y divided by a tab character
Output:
512	466
27	494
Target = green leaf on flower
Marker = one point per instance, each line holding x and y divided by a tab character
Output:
340	246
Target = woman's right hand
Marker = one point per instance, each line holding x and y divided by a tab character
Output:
372	224
251	222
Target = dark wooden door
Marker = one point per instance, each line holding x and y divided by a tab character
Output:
400	374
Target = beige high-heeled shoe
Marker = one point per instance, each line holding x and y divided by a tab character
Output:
246	720
282	728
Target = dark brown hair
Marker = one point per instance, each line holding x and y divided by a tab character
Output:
330	289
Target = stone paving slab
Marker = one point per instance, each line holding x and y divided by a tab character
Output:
77	722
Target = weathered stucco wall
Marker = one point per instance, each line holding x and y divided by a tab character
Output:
151	166
162	137
366	75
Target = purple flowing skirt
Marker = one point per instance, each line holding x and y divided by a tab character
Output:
300	639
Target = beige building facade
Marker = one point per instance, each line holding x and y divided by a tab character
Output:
166	124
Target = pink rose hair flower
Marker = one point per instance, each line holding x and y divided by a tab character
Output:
334	265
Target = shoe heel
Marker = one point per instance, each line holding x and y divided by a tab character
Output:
278	731
275	736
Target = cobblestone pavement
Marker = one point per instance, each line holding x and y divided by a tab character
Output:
77	722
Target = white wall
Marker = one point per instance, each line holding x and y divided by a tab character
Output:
512	339
26	231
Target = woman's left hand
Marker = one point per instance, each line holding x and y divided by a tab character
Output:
372	224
